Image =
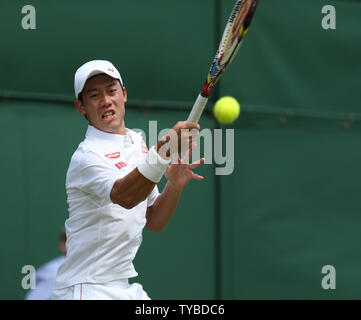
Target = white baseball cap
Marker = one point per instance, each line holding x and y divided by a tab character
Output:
91	69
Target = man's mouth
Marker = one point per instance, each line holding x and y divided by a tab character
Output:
108	115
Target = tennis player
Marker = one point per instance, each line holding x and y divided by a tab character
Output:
112	192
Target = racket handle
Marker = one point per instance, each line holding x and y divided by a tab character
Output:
197	109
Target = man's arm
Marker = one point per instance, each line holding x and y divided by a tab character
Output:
135	186
163	208
178	175
131	190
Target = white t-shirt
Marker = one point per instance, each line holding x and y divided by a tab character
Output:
102	237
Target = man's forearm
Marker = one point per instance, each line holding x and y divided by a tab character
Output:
163	208
138	184
131	190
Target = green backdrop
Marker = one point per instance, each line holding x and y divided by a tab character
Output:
291	205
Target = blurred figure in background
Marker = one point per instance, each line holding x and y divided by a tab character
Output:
46	274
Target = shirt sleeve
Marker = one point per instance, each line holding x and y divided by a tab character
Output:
97	177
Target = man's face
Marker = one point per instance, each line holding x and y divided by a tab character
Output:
103	101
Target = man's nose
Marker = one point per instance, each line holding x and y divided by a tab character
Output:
106	100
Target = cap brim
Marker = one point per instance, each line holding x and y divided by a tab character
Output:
94	73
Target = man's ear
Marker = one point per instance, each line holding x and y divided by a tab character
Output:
124	94
79	106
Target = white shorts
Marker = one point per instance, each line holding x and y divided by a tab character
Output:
113	290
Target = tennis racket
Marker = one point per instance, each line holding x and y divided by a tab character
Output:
233	36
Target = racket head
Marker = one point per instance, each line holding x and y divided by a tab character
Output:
233	36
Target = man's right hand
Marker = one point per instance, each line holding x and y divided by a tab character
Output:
178	139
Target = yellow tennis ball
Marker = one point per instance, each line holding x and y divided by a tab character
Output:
226	109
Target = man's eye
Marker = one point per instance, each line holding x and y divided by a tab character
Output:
112	90
93	95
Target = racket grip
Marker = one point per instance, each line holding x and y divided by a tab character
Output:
197	109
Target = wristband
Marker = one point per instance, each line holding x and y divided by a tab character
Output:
153	166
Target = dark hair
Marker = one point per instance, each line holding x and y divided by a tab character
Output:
80	96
